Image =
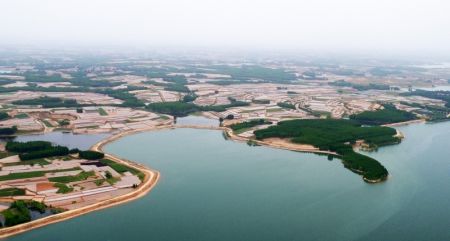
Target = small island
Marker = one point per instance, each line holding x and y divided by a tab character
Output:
339	137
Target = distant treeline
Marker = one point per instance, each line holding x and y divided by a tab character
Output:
249	124
432	112
388	115
78	79
35	149
4	115
6	81
251	72
371	86
175	83
180	109
438	95
286	105
91	155
122	94
48	102
8	130
48	152
242	74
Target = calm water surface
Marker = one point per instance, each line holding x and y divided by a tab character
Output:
197	120
213	189
80	141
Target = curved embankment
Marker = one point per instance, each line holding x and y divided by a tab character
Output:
150	179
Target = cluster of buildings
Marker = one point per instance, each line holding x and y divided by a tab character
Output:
80	192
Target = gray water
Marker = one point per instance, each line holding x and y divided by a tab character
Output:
436	88
213	189
197	120
80	141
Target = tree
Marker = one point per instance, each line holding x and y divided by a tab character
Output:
91	155
229	117
3	115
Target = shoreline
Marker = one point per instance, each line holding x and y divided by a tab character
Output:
150	180
405	123
151	176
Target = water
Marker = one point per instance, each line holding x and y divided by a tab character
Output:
436	88
197	120
213	189
80	141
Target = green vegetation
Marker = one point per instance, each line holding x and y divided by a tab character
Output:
432	112
91	155
102	112
181	109
177	88
63	188
190	97
122	94
8	130
67	179
249	124
388	115
39	161
6	81
48	102
4	115
129	100
110	179
35	149
337	136
43	77
19	211
235	82
7	192
247	72
47	123
120	168
13	176
178	109
49	152
286	105
371	86
64	122
439	95
265	102
21	147
4	154
99	182
21	116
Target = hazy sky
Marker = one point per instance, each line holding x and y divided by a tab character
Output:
385	25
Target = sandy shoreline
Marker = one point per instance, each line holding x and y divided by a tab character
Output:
406	123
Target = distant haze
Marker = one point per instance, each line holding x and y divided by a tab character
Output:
346	25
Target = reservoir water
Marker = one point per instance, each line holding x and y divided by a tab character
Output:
80	141
214	189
